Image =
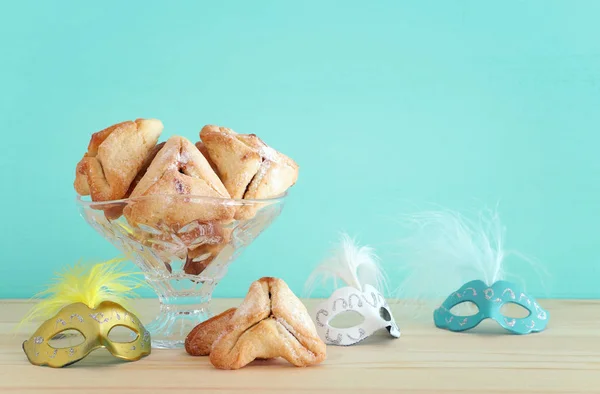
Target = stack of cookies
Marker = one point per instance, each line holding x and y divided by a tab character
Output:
177	183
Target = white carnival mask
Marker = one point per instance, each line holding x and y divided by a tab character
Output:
368	303
357	267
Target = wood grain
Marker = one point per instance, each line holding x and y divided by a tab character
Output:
563	359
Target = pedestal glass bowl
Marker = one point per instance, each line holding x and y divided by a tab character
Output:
182	259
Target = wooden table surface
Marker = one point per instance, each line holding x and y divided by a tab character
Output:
563	359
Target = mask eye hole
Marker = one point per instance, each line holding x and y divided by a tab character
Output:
122	334
466	308
514	310
385	314
347	319
67	338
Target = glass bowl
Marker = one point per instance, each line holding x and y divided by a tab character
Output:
184	245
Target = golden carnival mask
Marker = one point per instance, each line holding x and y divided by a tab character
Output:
87	300
94	325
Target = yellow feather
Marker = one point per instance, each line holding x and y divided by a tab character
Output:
90	284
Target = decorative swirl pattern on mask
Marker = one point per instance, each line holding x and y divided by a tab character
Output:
99	317
374	304
146	338
509	291
75	315
359	303
361	334
336	341
344	304
473	291
324	313
541	314
488	293
526	298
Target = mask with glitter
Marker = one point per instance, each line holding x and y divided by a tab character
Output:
369	303
489	301
358	267
447	250
94	325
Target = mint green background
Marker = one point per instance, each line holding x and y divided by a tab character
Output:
386	105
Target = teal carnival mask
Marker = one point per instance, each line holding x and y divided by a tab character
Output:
489	301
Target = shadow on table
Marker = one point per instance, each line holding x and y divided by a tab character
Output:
100	358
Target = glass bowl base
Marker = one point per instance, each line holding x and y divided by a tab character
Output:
167	344
174	322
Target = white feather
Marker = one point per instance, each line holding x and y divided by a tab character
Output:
353	265
446	250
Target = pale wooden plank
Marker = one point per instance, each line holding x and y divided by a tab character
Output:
563	359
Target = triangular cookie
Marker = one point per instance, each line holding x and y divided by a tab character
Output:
202	148
200	340
249	168
145	166
182	156
237	160
275	176
178	170
115	156
271	322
